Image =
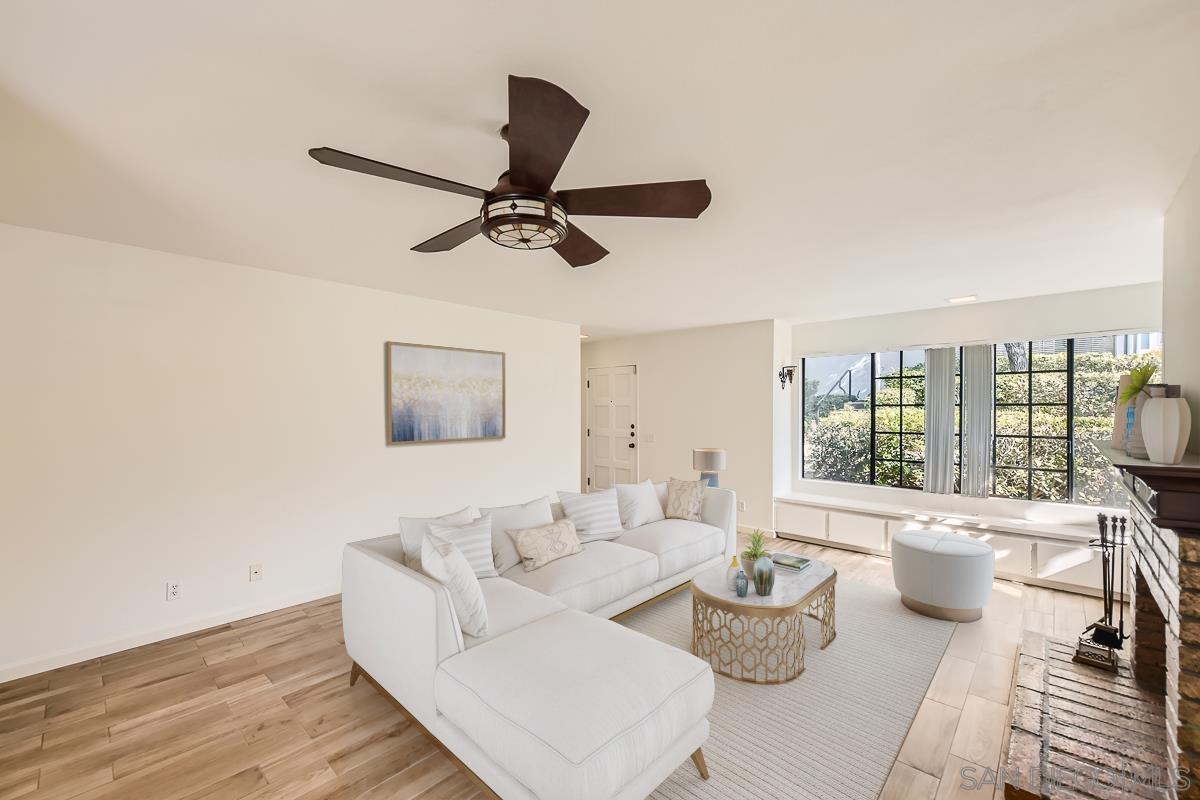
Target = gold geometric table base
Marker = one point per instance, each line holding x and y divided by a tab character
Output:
758	644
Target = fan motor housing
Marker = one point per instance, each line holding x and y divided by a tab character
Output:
523	221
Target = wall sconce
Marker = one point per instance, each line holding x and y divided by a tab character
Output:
786	376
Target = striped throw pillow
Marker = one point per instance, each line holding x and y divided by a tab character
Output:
474	541
596	515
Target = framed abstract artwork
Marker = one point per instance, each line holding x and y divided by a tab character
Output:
443	394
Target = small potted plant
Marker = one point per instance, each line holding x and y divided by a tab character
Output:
757	564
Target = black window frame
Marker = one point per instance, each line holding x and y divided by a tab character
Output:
1030	437
873	458
903	463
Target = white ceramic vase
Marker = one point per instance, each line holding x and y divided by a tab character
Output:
1166	425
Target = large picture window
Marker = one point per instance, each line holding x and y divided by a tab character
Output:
863	416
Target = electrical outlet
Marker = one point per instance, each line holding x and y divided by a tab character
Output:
741	505
172	590
256	572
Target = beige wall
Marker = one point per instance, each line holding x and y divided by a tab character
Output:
173	418
1181	294
703	387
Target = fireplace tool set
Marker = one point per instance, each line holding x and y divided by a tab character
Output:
1100	641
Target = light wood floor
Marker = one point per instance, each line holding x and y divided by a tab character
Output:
263	709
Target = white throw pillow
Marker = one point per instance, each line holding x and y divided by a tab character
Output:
474	539
533	514
447	565
539	546
638	504
596	515
413	530
684	499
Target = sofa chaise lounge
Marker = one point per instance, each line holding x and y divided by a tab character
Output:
555	702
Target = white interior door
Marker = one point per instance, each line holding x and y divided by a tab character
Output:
612	426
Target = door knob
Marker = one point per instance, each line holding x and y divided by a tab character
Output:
631	445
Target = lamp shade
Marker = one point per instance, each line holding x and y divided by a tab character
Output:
708	459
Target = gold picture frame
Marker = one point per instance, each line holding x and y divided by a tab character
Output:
435	394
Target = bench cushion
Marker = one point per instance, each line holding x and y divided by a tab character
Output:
602	573
677	543
509	606
555	705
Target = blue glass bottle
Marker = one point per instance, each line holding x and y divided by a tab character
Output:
743	584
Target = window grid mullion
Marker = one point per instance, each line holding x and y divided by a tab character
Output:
1029	438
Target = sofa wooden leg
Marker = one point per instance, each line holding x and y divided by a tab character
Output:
355	671
698	759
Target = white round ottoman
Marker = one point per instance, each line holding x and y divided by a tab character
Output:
942	574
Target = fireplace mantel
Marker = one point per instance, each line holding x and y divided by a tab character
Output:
1164	545
1171	493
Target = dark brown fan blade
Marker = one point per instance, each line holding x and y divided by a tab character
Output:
543	122
448	240
578	249
669	199
336	158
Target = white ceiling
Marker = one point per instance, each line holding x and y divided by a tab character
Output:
864	157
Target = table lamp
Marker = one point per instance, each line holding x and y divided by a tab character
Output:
710	461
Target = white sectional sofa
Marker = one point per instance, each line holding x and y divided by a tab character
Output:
555	702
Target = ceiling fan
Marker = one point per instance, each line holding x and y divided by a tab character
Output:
522	211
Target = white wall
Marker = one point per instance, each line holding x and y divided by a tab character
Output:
166	417
703	387
1134	307
1181	294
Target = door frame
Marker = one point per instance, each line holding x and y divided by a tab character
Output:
587	405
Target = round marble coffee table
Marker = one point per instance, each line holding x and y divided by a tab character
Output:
761	639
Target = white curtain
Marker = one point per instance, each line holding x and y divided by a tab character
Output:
978	412
939	420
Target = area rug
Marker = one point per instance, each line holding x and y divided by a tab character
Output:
833	732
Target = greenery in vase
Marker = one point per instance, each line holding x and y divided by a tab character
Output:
756	550
1139	378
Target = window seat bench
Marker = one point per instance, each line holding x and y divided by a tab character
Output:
1044	553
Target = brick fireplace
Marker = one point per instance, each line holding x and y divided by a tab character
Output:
1077	731
1164	516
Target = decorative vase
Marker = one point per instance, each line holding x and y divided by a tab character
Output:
1135	446
764	576
1166	426
741	584
731	574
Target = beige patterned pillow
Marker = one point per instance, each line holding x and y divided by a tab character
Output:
684	499
539	546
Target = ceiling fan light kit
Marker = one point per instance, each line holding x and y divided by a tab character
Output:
522	211
524	222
